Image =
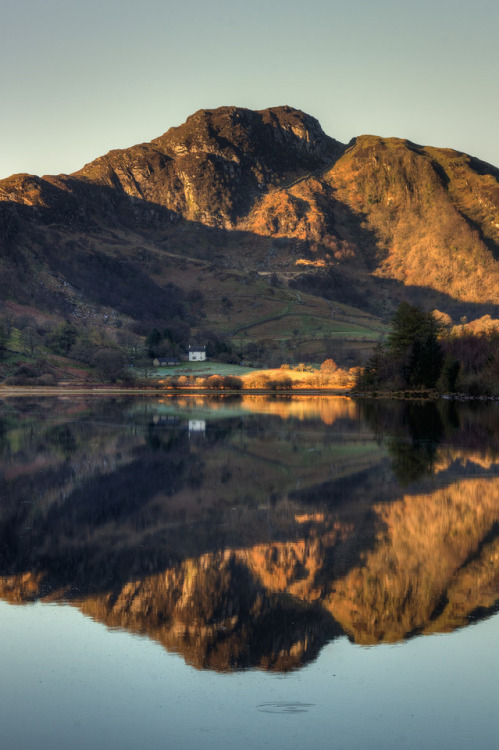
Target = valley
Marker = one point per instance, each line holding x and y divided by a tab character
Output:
254	230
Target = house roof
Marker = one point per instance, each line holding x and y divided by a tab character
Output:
197	348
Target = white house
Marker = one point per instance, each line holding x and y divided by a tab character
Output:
197	353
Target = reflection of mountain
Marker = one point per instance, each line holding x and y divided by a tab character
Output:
218	616
428	550
256	544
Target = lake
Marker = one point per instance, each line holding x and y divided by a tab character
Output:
261	572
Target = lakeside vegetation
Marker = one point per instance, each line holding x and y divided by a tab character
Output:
425	353
422	354
40	354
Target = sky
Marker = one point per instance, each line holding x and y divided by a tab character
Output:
81	77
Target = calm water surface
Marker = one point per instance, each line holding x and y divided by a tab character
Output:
261	572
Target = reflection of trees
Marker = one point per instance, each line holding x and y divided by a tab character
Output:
473	425
411	461
415	430
239	549
61	438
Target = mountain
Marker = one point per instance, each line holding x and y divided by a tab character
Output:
234	199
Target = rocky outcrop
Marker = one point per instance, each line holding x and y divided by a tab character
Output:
212	168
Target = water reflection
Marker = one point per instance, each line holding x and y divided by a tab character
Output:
248	533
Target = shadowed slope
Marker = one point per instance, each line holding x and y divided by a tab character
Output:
264	192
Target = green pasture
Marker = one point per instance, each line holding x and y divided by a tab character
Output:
199	370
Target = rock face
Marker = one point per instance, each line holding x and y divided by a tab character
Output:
386	216
212	168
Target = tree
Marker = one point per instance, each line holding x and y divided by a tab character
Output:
274	280
408	324
130	343
63	338
449	374
232	382
412	358
426	357
5	331
329	366
109	364
413	341
214	382
145	366
374	373
31	339
152	342
84	350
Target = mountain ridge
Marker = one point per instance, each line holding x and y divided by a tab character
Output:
260	194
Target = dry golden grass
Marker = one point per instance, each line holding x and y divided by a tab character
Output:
284	377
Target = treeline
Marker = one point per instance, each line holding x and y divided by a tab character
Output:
422	354
43	353
212	382
35	354
259	381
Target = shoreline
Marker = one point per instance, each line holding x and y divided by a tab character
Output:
109	390
20	390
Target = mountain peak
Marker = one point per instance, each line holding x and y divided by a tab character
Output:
214	166
246	131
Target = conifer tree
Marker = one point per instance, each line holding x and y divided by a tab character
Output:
413	357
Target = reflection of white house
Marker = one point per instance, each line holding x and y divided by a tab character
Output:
197	353
168	419
197	425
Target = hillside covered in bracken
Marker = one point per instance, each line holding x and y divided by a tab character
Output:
263	211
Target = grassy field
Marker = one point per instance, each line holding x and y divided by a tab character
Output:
255	312
200	370
287	326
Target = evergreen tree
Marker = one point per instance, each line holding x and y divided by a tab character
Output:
408	325
372	375
413	357
152	343
154	338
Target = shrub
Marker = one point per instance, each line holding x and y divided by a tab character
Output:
46	379
232	382
214	382
16	380
26	371
257	381
281	383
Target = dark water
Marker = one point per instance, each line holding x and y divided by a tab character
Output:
199	573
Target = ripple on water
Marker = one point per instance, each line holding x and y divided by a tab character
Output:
284	707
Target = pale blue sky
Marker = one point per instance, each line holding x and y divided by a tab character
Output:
80	78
